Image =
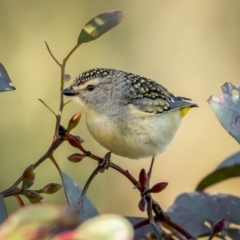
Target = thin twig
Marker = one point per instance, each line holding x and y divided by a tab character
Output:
49	152
55	164
20	201
151	218
84	192
47	107
136	184
56	142
151	167
166	220
126	174
50	52
179	229
90	179
59	116
70	53
67	102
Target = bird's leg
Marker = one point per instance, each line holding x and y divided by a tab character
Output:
104	164
151	167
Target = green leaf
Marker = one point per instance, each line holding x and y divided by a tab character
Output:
229	168
99	25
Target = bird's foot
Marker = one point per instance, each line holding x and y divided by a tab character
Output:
150	171
104	164
161	215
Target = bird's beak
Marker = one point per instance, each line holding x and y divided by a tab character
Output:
68	92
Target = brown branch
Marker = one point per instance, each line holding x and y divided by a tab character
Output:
179	229
56	141
50	52
160	215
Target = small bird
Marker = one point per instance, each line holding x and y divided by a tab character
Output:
131	116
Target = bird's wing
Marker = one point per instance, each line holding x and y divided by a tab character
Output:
160	105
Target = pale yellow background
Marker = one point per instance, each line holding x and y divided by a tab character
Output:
191	47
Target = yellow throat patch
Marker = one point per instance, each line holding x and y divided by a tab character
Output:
184	111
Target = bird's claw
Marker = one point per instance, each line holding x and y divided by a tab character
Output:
104	164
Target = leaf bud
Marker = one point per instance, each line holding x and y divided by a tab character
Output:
73	122
143	178
33	196
73	140
142	204
76	157
50	188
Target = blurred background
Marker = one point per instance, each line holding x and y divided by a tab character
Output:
190	47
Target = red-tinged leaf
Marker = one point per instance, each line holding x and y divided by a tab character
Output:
227	109
143	178
76	157
99	25
142	204
159	187
73	122
50	188
39	221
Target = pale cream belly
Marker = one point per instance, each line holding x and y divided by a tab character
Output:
139	138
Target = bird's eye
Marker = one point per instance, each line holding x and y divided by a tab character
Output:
90	87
